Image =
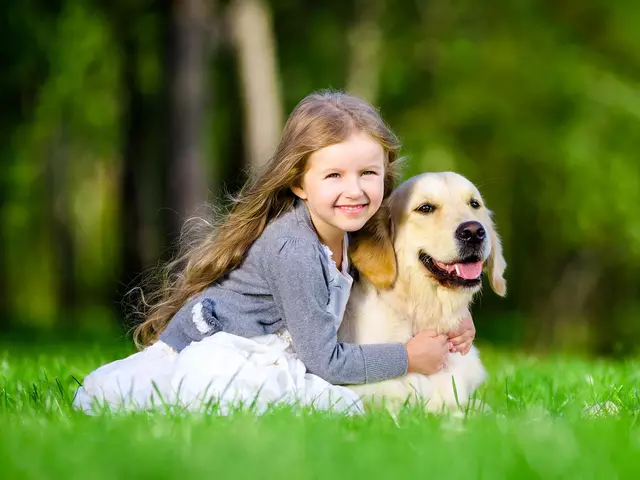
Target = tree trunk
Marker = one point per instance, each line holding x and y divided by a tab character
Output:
364	51
5	319
132	174
143	156
254	41
186	66
62	237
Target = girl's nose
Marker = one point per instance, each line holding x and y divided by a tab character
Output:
354	189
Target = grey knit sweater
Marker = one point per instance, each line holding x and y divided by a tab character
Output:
285	282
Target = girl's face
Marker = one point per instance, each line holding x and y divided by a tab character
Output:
343	185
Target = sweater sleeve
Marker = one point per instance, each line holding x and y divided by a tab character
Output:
301	292
194	321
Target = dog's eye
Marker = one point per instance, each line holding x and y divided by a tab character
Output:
474	204
426	208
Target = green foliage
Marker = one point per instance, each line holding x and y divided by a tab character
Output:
535	102
62	163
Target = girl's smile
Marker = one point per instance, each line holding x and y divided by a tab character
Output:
352	209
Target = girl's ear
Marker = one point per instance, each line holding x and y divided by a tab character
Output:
299	192
371	250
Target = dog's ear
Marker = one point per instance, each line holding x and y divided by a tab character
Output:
371	249
496	264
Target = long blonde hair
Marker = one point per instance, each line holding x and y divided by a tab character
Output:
321	119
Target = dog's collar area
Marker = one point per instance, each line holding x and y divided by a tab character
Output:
450	279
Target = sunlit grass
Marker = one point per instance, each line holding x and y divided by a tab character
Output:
550	417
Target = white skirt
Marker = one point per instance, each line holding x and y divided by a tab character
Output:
219	374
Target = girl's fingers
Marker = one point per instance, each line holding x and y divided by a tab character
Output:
464	338
455	333
463	345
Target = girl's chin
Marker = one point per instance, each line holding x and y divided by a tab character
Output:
353	225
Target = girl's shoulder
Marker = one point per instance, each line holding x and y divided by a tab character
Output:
293	226
290	240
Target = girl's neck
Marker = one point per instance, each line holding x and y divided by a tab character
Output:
336	252
329	235
333	238
335	244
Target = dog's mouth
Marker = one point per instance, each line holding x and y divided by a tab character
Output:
466	272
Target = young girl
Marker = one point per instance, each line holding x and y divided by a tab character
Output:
251	313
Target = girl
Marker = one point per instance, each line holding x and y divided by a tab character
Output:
252	311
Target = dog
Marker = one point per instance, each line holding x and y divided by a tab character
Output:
420	260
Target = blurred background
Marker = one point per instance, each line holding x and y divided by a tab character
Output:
121	117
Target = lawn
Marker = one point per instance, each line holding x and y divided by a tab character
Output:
548	420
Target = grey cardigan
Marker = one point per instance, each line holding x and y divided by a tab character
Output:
285	282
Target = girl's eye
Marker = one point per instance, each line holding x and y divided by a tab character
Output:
426	208
369	172
474	204
333	175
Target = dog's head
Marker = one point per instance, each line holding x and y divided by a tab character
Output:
438	225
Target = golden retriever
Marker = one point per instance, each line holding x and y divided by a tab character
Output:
420	260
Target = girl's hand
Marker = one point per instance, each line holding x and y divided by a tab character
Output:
427	352
462	337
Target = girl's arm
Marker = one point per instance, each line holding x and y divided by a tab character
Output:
194	321
295	274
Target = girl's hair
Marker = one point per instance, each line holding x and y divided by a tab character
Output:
321	119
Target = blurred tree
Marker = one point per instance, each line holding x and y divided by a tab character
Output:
255	45
365	48
140	31
25	66
57	176
185	70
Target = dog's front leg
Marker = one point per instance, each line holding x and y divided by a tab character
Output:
394	394
466	372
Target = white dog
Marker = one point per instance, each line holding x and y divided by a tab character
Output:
420	260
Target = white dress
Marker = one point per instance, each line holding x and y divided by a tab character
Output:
221	373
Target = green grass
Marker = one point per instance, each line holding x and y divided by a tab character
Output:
537	428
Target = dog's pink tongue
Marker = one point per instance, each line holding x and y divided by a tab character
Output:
468	271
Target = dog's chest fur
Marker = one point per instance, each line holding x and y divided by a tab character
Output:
397	314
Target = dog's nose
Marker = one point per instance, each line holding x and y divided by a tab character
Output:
471	232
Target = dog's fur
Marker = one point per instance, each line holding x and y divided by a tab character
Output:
396	296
